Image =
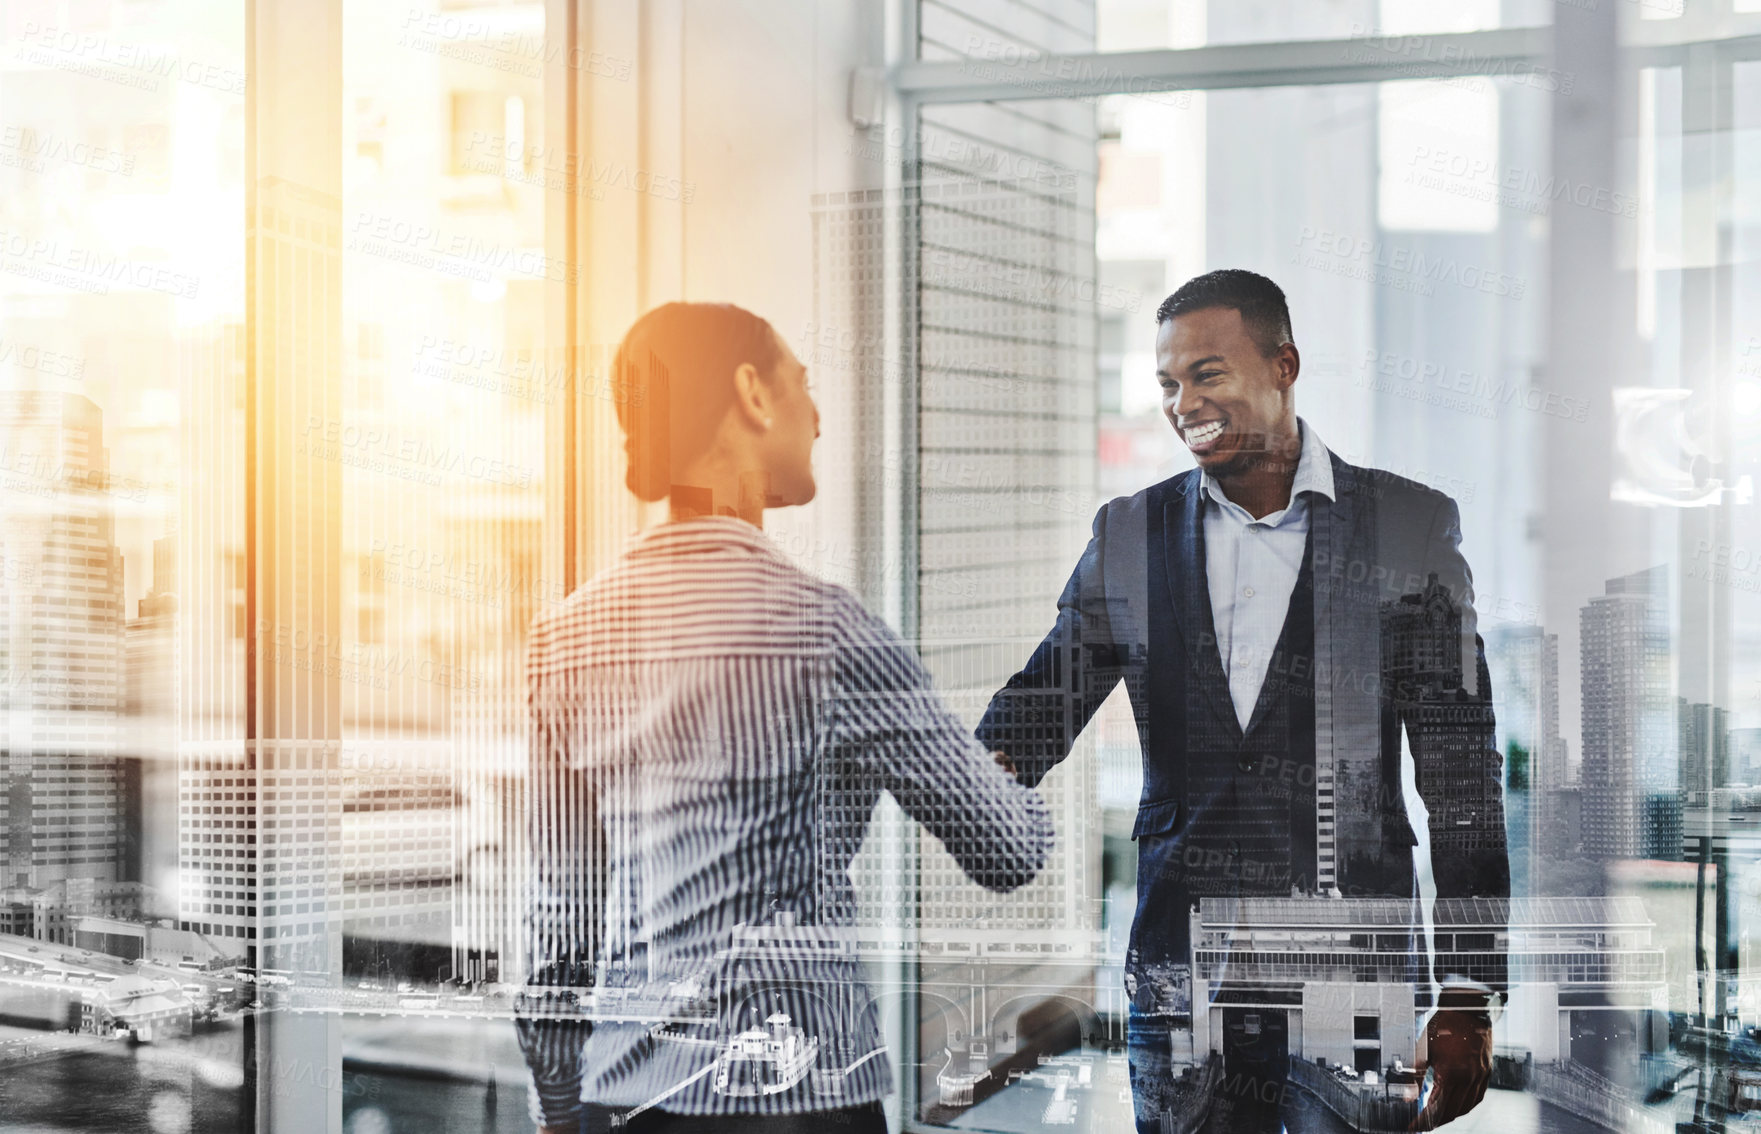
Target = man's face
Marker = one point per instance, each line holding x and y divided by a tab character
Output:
1225	399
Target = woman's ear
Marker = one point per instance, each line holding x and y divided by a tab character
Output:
753	397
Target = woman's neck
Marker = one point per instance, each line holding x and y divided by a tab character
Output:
739	497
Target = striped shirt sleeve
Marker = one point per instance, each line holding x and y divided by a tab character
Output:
895	730
562	914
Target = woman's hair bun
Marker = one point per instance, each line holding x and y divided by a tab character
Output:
673	380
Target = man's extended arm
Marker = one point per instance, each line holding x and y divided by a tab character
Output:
1035	719
1469	857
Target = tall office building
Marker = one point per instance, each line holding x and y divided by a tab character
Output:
1524	663
1631	802
1422	662
1745	755
493	538
149	751
1524	660
1703	737
217	873
61	813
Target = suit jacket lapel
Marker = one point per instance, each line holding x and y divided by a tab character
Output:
1335	542
1183	533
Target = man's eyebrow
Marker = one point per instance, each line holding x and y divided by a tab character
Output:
1162	373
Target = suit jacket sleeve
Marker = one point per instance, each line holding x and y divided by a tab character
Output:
1469	856
1037	716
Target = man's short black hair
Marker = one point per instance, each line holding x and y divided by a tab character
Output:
1260	301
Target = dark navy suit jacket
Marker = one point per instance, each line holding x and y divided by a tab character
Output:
1393	649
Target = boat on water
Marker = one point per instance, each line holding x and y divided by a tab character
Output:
766	1060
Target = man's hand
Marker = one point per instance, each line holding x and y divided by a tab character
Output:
1458	1042
554	1130
1003	762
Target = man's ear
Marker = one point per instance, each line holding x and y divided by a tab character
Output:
1289	365
752	397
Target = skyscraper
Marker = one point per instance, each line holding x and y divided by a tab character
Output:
61	815
1524	661
1745	755
150	749
217	875
1703	737
1422	663
1525	680
1631	805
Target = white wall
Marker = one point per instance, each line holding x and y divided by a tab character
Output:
744	104
1327	1011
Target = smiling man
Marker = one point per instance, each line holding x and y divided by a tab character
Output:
1280	619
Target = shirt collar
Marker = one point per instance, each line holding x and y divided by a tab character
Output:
1314	470
701	533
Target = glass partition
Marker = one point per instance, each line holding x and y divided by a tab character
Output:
307	415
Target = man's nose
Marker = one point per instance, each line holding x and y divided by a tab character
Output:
1186	404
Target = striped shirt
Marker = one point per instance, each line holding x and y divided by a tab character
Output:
712	728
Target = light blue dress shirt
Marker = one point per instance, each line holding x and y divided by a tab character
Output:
1251	568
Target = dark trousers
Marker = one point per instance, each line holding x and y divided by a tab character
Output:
1243	1103
868	1118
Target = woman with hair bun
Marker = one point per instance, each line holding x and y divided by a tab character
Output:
686	370
712	728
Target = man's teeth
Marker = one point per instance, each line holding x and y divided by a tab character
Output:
1204	434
